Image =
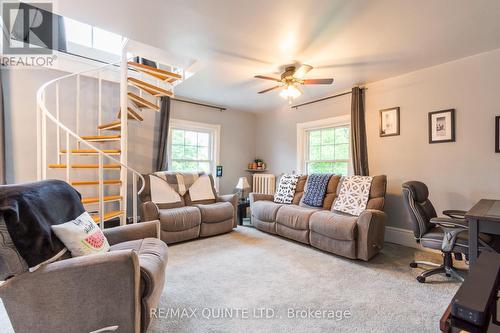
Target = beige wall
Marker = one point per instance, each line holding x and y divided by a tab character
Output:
20	86
458	174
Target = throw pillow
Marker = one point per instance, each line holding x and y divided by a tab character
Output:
354	195
316	189
82	236
286	189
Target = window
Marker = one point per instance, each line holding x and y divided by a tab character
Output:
324	146
81	34
193	146
328	150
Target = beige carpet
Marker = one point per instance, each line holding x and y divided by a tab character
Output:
247	273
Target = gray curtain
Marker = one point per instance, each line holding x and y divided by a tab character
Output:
2	133
358	133
161	156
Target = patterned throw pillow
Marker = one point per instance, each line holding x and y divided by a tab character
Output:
82	236
316	189
354	195
286	189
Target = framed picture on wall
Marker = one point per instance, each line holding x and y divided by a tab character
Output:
442	126
389	122
497	134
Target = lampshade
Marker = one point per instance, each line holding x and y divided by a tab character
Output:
242	184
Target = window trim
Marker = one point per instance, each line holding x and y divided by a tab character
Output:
303	128
186	125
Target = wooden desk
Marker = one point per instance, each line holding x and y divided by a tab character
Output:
483	217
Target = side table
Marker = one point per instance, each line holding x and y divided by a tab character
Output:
242	211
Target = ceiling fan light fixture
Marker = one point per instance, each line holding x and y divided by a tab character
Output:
290	92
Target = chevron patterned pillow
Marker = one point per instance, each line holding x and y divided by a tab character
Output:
354	195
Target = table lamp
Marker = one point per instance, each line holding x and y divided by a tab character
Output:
242	188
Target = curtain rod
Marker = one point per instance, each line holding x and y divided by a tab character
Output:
324	98
200	104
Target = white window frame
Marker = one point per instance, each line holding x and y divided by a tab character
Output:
212	129
302	142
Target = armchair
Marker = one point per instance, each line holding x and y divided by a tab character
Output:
448	234
113	291
187	219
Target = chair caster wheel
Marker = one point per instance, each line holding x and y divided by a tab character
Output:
413	265
421	279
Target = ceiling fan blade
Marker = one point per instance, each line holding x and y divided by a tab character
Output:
318	81
302	71
267	78
268	89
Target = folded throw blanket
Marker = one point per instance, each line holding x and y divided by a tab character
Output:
198	184
30	209
316	189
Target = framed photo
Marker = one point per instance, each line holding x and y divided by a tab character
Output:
442	126
389	122
497	134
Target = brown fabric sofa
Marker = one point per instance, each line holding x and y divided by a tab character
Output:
356	237
89	293
190	219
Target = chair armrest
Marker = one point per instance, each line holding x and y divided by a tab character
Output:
149	211
233	200
130	232
455	214
260	196
54	297
450	222
371	231
451	228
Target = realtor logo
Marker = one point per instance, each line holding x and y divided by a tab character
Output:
28	30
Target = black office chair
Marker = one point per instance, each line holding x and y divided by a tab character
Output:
448	234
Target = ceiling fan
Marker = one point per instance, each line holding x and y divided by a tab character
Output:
291	81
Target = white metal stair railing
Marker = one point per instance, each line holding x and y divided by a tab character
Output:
43	114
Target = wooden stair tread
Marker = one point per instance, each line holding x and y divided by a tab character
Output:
96	199
142	102
149	88
91	151
155	72
107	216
113	126
95	182
84	166
101	137
131	115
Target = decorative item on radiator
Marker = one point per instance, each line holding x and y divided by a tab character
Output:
264	183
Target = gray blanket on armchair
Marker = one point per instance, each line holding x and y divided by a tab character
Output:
30	209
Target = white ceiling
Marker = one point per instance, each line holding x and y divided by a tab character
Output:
354	41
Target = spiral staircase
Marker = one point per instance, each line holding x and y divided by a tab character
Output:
94	159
